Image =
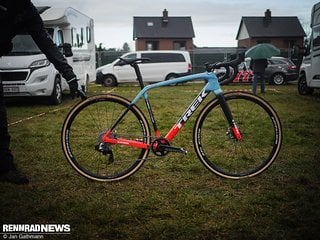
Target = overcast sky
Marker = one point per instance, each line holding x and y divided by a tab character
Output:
215	22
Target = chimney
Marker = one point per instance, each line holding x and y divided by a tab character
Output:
165	18
267	16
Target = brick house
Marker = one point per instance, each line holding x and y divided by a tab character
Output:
163	33
283	32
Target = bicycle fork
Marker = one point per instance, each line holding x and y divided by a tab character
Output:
226	110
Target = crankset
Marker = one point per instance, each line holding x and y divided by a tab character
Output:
161	147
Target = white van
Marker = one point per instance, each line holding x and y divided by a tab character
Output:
26	71
309	77
163	65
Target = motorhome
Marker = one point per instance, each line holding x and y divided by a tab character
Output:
309	76
25	71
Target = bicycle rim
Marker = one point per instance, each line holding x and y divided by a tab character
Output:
82	138
221	153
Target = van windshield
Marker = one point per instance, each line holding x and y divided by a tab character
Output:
23	44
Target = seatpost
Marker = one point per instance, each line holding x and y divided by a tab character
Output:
138	73
146	99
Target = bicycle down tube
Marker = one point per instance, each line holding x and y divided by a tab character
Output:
211	86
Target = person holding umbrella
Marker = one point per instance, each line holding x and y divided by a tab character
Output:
258	67
259	55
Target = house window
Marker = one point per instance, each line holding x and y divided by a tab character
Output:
179	45
152	45
263	41
289	43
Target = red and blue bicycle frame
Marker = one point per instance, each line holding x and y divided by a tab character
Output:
212	85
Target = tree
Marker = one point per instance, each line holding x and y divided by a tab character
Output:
100	48
126	47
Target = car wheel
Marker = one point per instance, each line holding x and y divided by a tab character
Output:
303	88
109	81
171	76
56	96
278	79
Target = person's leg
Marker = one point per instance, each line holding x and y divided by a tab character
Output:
8	171
254	83
262	84
6	159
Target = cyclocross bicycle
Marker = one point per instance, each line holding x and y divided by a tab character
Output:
236	134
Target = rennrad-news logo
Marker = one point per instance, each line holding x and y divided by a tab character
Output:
36	228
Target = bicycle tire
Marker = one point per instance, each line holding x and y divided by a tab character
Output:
221	153
82	133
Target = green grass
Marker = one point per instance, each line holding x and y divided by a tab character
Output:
175	197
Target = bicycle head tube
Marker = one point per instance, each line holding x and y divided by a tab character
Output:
213	84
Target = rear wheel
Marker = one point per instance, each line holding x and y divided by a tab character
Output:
171	76
82	138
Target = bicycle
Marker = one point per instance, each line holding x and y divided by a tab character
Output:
236	134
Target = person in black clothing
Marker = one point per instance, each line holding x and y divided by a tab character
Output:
258	67
17	16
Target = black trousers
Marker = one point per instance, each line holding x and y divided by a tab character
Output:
6	158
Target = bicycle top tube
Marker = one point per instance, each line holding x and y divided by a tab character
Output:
211	86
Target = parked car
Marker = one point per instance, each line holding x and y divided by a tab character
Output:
279	71
163	65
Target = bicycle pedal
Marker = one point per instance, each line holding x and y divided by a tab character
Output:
173	149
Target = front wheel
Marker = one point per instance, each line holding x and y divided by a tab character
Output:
109	81
56	96
227	157
303	88
82	138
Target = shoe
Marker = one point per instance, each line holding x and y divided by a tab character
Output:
14	176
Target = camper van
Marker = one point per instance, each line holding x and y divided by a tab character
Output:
25	71
309	76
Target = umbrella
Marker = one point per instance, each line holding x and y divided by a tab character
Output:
262	50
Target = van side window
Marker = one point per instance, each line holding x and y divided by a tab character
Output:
59	38
74	37
81	36
277	61
77	38
131	56
163	57
88	34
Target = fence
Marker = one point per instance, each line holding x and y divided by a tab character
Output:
199	56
